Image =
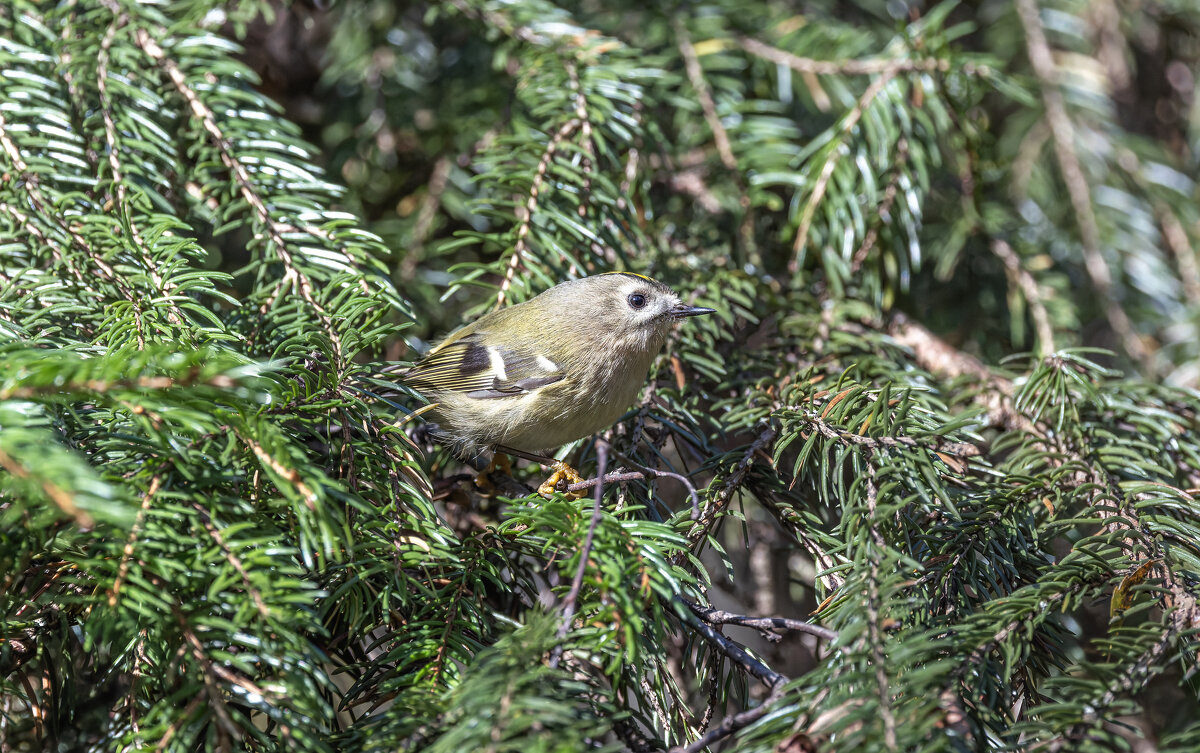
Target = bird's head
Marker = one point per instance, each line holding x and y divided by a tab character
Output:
630	311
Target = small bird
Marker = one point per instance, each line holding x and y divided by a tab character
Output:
556	368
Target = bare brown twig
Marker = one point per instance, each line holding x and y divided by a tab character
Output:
765	624
731	724
620	477
772	679
739	655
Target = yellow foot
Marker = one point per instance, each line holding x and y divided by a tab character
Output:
562	472
483	482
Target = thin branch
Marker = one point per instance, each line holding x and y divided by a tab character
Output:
245	183
216	695
879	658
164	288
585	552
721	617
739	655
206	521
1063	133
1133	678
935	443
838	67
644	472
772	679
290	475
1029	289
709	515
59	496
822	183
539	177
134	532
732	724
708	106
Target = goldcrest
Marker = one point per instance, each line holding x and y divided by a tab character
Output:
557	368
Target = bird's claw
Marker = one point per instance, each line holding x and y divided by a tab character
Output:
563	475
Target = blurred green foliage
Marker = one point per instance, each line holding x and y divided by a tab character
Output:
946	408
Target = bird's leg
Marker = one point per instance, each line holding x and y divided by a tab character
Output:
483	481
562	473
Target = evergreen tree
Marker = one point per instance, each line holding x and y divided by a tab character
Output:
926	482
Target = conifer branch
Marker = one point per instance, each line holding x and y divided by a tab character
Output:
1033	296
585	552
163	287
44	207
1063	133
245	183
234	561
704	95
848	121
879	658
531	202
59	496
131	541
839	67
289	475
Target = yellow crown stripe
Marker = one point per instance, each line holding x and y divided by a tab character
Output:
630	274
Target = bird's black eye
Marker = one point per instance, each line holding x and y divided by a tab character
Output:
636	300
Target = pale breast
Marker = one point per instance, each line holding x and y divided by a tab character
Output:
576	408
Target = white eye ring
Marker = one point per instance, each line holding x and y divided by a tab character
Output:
636	300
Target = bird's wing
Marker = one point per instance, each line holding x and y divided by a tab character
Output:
466	365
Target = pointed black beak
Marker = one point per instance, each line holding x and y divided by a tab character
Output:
683	310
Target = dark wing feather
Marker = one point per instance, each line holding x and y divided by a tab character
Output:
466	365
